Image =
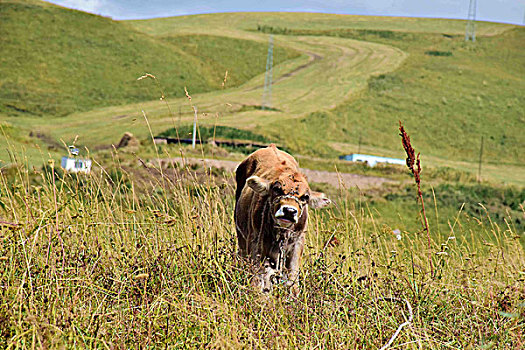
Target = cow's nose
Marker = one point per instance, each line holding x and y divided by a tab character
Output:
289	211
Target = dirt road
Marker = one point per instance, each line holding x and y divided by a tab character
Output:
315	176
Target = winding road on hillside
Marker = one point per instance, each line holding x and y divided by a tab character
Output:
328	71
313	57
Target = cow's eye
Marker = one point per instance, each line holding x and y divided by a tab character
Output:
277	189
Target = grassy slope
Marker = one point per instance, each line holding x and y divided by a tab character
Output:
450	92
243	59
117	260
447	103
57	61
294	95
81	60
228	22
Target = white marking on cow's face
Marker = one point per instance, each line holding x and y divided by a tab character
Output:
287	215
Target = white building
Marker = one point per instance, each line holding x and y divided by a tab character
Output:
76	165
372	160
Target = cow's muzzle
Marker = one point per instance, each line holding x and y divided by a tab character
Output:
287	215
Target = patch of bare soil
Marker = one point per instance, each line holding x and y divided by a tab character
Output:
334	179
345	180
47	139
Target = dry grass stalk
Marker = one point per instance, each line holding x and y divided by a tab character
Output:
187	94
163	98
147	259
416	171
400	327
225	79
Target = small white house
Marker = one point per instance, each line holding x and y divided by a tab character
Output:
372	160
76	165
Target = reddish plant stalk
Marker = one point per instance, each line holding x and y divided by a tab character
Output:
411	159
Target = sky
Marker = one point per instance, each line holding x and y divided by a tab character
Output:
509	11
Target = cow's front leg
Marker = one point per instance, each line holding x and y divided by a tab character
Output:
270	269
265	277
293	263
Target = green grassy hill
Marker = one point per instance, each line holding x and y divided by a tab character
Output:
357	76
141	253
448	92
248	21
55	61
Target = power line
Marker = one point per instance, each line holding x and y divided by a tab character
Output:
267	93
470	31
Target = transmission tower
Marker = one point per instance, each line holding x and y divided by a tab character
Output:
267	93
470	32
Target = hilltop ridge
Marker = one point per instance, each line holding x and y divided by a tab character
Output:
55	61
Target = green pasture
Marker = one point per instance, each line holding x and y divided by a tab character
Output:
449	101
246	21
341	83
56	61
138	256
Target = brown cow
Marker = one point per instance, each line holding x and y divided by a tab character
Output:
271	212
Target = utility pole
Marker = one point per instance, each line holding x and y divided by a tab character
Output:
267	93
359	145
480	158
470	32
180	114
193	141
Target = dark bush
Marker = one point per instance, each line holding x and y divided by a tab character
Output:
438	53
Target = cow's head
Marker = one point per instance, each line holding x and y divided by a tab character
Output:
289	196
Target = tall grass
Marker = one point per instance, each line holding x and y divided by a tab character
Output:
147	258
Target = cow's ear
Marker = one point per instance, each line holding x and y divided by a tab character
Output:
259	185
318	200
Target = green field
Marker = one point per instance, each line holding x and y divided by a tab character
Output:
448	101
337	80
137	255
134	258
56	61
